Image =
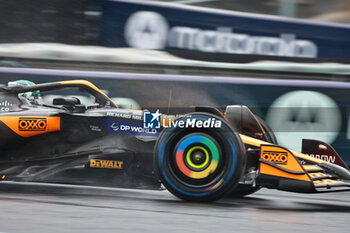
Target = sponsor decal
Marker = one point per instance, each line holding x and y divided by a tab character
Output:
276	157
32	124
136	130
129	128
111	164
150	30
136	117
118	114
114	126
327	158
151	120
28	126
95	128
5	106
124	115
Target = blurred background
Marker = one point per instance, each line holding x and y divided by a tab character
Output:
78	21
320	10
286	59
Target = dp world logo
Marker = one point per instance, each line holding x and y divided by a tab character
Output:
147	30
114	126
151	120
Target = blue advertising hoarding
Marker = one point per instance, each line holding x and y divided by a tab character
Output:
151	25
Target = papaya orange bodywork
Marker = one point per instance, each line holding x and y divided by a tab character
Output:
288	162
257	143
28	126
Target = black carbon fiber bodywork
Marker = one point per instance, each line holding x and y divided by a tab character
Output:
85	149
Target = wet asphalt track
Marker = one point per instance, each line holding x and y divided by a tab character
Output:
56	208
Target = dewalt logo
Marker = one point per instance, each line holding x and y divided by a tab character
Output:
276	157
32	124
112	164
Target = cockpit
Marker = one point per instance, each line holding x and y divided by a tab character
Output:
36	95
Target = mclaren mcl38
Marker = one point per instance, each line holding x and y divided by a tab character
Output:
199	156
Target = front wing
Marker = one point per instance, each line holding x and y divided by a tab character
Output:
288	170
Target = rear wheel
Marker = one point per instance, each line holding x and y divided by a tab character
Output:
199	164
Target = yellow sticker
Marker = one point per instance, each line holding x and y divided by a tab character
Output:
111	164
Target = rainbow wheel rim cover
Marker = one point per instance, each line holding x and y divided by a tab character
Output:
195	143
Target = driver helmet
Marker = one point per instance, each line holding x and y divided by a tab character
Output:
31	97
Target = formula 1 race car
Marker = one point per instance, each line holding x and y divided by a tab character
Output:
200	156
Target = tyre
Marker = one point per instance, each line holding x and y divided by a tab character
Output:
199	164
243	189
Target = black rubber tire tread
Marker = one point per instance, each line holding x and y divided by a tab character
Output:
226	181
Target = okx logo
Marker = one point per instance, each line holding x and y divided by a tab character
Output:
151	120
32	124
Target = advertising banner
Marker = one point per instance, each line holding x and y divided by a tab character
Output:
151	25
